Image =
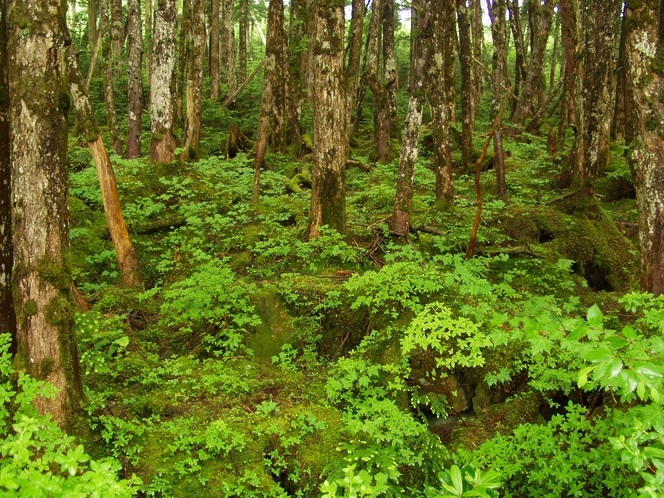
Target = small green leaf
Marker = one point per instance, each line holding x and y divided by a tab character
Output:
583	376
595	316
598	355
457	479
641	390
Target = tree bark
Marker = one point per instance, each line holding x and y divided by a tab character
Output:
184	46
497	10
107	71
194	89
127	259
328	190
93	6
520	69
39	103
643	44
229	46
117	34
554	51
162	87
7	314
148	39
243	39
354	55
478	41
298	56
214	50
620	110
427	24
467	103
135	97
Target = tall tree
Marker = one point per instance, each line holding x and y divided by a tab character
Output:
352	75
135	97
520	67
467	102
450	42
328	190
148	39
643	44
477	28
194	88
93	7
39	103
127	258
116	27
162	86
7	314
107	71
622	90
243	38
228	45
497	11
214	50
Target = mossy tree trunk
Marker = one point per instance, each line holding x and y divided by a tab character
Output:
467	102
541	17
93	8
148	39
162	87
271	123
645	77
7	314
243	37
194	87
297	55
214	50
135	97
497	11
450	42
477	28
107	71
328	190
620	109
39	104
184	46
427	24
554	49
127	258
117	34
354	57
520	68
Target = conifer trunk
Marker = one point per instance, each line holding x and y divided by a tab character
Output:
148	39
194	87
520	69
107	71
135	97
162	87
243	39
214	50
467	102
643	44
39	103
229	46
328	190
450	42
127	259
497	10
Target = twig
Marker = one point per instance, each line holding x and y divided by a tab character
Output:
379	221
478	186
508	90
229	100
510	251
561	198
539	113
93	62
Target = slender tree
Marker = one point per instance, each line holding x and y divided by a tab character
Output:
352	75
93	7
148	39
127	258
107	71
194	87
135	97
39	104
520	67
229	45
243	38
622	91
328	190
7	314
477	29
162	87
467	103
643	43
450	42
214	50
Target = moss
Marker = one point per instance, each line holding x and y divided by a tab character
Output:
30	308
45	368
59	311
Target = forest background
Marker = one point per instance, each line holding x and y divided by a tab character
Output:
320	249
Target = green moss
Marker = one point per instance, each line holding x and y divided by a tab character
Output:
45	368
30	308
59	311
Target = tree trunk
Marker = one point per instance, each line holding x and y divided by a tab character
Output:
107	71
361	89
39	103
425	43
229	46
148	40
467	103
520	69
184	42
478	40
450	42
540	29
271	122
127	259
93	6
568	24
214	51
354	56
135	97
195	57
642	45
554	52
117	34
162	86
243	39
389	69
497	11
328	191
7	314
619	113
298	55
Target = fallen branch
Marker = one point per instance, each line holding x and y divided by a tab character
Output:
425	229
533	122
561	198
358	164
91	69
512	251
229	100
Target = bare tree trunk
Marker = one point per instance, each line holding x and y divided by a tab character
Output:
328	190
497	11
229	45
184	48
467	103
214	51
478	40
195	56
361	89
7	314
520	69
389	69
42	280
127	259
243	39
568	107
107	71
162	87
554	52
619	113
541	27
148	39
642	45
135	97
354	56
117	34
427	24
93	7
450	42
273	101
298	55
